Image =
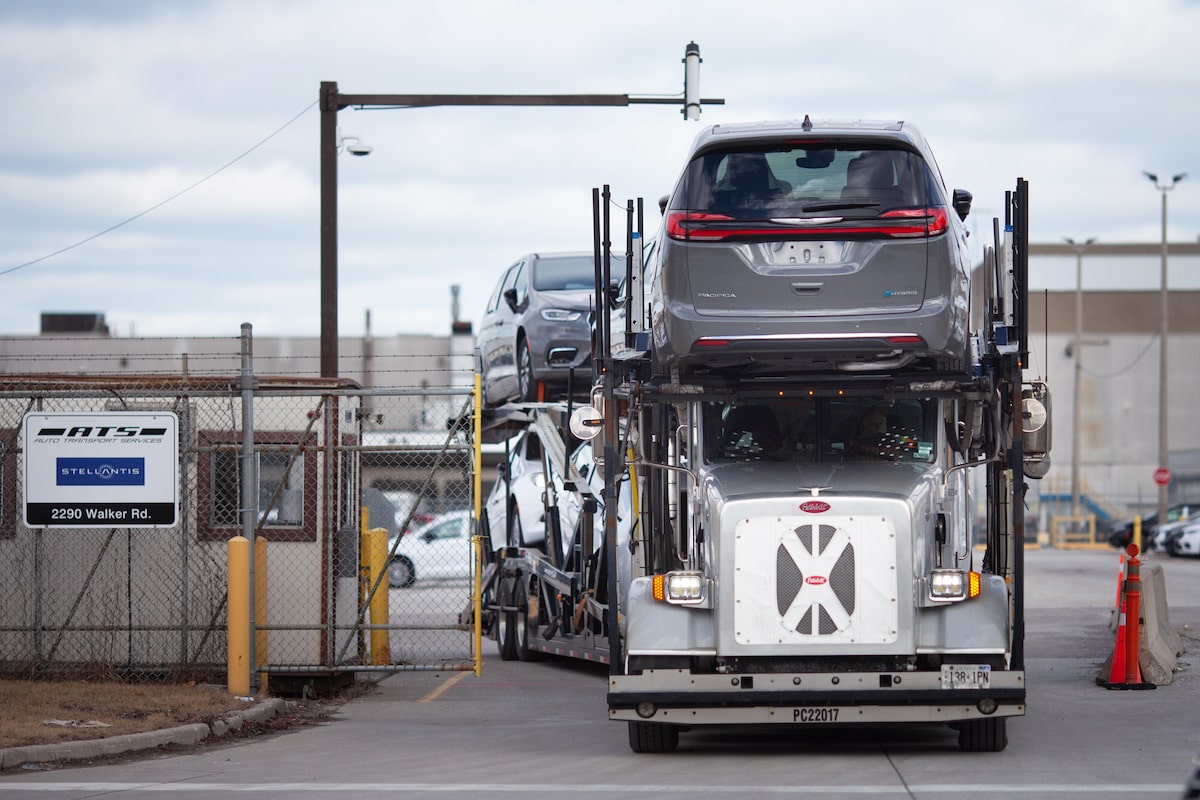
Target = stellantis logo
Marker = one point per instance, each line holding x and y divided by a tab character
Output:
100	472
814	506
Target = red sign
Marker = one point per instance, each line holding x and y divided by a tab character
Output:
1162	476
814	506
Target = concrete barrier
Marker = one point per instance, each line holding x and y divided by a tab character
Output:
1158	644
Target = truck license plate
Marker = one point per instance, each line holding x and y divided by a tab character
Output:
966	676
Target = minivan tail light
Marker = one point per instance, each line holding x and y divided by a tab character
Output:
936	219
900	223
685	225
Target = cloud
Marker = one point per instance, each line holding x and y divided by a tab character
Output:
122	105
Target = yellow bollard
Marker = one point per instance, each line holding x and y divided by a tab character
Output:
375	546
1137	532
238	617
260	611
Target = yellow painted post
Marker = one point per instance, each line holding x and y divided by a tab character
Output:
1137	532
238	617
260	610
376	546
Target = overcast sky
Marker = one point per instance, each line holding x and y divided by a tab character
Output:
115	106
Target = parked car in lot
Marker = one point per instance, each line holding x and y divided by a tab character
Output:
790	246
1187	542
535	328
1121	534
438	550
1162	537
514	512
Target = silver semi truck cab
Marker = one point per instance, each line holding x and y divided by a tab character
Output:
826	573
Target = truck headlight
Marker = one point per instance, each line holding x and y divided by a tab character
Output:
953	584
683	588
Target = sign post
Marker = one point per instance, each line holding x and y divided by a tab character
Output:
101	470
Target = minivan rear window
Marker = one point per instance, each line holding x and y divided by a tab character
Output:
796	181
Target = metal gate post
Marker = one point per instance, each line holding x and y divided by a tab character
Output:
249	480
476	468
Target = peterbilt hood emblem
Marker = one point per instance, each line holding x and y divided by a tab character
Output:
814	506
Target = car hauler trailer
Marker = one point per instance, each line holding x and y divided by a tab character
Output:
552	598
804	549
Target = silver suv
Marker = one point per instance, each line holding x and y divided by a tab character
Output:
804	246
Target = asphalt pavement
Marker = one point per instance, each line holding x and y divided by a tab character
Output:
535	728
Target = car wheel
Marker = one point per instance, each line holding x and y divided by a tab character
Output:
987	735
506	640
401	573
526	385
516	534
652	737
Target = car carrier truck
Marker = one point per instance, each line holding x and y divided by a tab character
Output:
803	548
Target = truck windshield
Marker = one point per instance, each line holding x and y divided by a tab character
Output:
821	430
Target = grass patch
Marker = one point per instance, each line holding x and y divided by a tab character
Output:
97	710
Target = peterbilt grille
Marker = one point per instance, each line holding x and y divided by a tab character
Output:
800	580
790	577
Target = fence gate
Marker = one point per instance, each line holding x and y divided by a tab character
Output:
300	466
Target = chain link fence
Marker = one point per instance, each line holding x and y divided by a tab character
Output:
300	466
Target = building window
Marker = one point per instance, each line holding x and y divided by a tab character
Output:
287	474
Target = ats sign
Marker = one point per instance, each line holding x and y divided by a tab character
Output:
112	470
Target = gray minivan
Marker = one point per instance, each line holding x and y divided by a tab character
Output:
536	327
811	246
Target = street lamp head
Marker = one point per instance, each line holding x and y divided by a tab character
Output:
1161	186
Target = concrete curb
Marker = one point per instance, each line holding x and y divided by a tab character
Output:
114	745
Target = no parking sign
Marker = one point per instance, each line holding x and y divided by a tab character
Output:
104	470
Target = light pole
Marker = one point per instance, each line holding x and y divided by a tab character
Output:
1163	332
1079	249
332	101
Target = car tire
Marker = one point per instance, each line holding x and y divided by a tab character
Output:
506	624
526	385
401	573
515	536
987	735
652	737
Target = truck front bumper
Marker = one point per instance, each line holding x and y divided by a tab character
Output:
679	697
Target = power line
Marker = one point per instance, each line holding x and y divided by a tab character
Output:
162	203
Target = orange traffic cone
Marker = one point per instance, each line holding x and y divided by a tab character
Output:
1120	580
1125	672
1116	671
